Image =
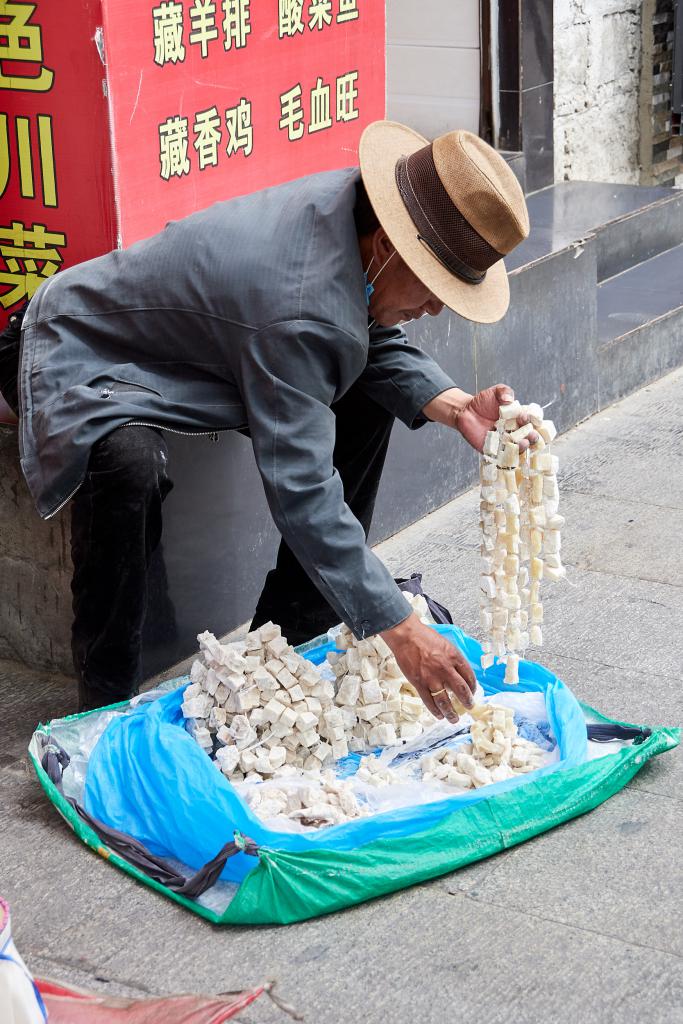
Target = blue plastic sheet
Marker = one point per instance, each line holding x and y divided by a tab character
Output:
148	777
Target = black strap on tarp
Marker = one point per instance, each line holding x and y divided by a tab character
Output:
605	732
55	760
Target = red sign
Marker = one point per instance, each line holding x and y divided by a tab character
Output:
56	202
56	206
187	101
216	98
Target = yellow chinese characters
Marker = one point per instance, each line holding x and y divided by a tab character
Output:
25	164
240	130
292	116
168	32
236	23
318	15
29	256
207	129
203	22
174	159
173	147
22	43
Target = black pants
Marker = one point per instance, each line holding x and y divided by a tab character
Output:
116	523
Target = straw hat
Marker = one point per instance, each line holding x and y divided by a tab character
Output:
452	209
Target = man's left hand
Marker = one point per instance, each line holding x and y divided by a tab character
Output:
474	415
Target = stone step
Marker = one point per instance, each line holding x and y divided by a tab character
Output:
640	324
630	223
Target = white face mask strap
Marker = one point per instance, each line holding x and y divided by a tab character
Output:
385	264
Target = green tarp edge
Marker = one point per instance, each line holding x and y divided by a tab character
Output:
288	887
91	839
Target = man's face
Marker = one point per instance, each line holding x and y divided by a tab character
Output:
399	295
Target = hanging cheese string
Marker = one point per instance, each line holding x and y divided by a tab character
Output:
520	534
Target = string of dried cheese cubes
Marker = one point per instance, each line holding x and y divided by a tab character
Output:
520	534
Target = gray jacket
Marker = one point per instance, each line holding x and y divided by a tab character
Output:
249	314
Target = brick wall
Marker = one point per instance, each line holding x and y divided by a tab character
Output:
613	77
666	164
597	50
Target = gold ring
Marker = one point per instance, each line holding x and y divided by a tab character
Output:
435	693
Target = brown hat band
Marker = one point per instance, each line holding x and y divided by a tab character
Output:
440	224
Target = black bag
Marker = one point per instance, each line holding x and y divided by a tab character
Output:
439	612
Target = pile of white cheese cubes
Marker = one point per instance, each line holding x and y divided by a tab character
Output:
274	726
372	688
520	535
495	752
329	801
269	710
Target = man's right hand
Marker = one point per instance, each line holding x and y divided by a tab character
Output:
433	665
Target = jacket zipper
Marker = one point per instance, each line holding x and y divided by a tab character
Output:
213	434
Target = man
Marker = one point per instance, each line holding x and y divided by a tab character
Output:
277	314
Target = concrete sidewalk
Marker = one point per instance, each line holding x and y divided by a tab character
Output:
580	925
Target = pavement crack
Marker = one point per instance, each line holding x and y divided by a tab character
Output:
576	927
568	489
628	576
83	967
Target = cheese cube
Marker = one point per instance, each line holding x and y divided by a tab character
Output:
458	779
488	472
288	718
510	411
193	690
198	672
485	619
252	641
410	731
286	679
512	669
273	709
520	433
306	720
371	692
309	738
508	455
247	698
277	756
547	431
491	443
367	712
536	635
349	691
368	668
536	566
277	646
268	631
263	679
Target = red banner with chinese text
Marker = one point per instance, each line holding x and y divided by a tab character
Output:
216	98
184	102
56	204
56	197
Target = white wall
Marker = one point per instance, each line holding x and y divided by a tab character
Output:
597	46
433	71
